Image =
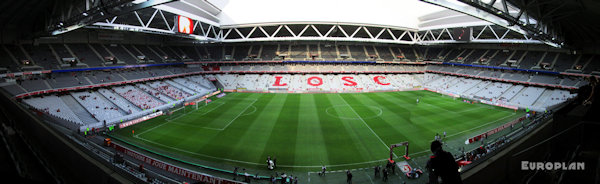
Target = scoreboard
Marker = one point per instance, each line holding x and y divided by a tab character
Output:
185	25
462	34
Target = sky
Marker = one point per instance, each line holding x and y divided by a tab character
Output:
400	13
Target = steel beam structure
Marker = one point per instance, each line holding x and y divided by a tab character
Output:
480	34
318	31
156	21
499	13
96	11
137	16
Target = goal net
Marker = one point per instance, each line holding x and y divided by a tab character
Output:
181	110
176	112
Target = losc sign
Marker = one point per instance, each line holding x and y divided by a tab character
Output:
318	81
185	25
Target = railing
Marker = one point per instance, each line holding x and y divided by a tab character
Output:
127	168
503	142
173	158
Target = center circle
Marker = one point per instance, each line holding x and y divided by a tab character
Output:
354	112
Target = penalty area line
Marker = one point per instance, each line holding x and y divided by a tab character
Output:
143	132
169	121
194	111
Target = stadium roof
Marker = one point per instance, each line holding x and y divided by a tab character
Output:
404	13
417	19
576	20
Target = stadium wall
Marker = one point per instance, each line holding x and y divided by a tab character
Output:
73	166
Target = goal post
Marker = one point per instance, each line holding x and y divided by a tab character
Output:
192	105
176	112
405	144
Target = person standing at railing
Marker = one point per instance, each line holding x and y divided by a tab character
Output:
442	164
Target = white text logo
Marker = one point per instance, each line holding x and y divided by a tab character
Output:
526	165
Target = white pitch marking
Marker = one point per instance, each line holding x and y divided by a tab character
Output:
220	104
299	166
137	135
252	163
382	142
333	106
369	178
251	112
481	125
251	104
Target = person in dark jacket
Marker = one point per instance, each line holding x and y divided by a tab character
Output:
385	174
442	164
348	177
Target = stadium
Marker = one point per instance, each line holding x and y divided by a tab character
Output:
330	91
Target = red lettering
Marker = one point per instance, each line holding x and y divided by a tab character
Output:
278	81
348	81
376	79
310	81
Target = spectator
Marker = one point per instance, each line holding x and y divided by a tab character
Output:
442	165
385	174
283	178
235	172
348	177
246	176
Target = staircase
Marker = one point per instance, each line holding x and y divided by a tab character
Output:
79	110
541	101
518	93
121	110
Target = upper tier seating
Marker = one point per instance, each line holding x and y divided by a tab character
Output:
121	54
64	80
86	55
357	52
42	54
104	77
150	55
35	84
14	89
7	62
531	59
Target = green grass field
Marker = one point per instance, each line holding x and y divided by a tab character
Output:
305	131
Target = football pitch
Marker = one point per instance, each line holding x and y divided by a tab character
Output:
306	131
